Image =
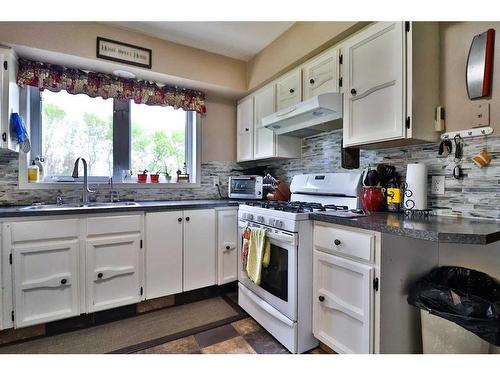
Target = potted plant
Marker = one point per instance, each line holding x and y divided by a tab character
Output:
155	177
142	177
168	177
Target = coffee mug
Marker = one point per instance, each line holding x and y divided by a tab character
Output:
482	159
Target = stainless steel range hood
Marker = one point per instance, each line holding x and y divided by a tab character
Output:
312	116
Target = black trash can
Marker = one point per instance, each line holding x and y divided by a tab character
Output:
463	296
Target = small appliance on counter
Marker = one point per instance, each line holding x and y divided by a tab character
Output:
245	187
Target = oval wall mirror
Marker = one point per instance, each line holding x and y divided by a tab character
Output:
480	65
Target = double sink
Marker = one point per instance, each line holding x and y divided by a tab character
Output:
55	207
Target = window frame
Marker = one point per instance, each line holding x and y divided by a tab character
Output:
30	110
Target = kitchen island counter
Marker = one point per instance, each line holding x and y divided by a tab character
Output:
433	228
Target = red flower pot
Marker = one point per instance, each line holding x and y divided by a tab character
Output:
142	178
155	178
373	198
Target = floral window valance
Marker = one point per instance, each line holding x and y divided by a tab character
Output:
75	81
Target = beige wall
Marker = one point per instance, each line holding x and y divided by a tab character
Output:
296	45
200	69
218	131
455	42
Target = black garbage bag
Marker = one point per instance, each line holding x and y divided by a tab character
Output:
466	297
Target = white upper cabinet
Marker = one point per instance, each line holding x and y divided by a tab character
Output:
289	89
374	81
9	97
245	129
264	139
389	98
321	74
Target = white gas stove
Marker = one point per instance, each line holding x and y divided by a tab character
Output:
280	303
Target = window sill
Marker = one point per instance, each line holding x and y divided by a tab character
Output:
116	185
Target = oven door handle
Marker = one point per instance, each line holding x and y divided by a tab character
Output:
268	308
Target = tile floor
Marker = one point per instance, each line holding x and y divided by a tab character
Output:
244	336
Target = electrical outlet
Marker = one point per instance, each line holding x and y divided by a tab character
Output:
481	114
215	181
437	185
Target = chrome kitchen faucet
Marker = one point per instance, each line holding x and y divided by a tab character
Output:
85	189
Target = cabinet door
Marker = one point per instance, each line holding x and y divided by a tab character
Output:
264	139
245	129
321	74
199	249
163	251
45	281
289	89
374	81
9	98
343	303
113	271
227	253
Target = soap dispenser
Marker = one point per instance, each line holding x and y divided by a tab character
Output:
33	172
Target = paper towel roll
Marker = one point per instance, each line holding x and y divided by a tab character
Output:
416	178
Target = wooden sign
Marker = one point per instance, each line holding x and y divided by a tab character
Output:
124	53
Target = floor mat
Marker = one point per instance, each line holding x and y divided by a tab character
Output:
136	333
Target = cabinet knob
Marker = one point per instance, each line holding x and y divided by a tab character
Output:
354	92
179	219
228	247
292	91
321	298
64	281
187	219
337	242
100	275
246	129
311	81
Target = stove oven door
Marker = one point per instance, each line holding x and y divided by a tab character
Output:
278	285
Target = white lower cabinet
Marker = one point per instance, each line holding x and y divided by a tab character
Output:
199	249
345	280
113	271
163	253
227	253
343	296
45	262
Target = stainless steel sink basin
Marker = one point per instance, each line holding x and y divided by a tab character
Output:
111	204
57	207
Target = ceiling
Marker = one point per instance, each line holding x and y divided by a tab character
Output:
239	40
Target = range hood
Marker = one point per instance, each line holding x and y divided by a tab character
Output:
312	116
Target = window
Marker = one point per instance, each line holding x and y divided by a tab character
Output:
113	137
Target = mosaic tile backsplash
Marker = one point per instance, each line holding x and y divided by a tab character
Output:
477	194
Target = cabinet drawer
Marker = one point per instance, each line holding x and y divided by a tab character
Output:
113	224
343	241
44	230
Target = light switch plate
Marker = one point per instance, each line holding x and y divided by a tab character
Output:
481	114
437	185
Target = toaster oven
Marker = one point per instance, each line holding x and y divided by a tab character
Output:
245	187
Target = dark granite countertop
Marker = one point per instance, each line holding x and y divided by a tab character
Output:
148	206
432	228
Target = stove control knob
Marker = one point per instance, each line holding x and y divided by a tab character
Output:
249	216
260	219
243	215
272	222
279	224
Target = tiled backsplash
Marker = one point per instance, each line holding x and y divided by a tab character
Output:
11	195
476	194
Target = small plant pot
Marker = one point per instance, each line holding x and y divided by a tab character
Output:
155	178
142	178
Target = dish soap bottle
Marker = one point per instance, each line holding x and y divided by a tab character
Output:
33	172
39	162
